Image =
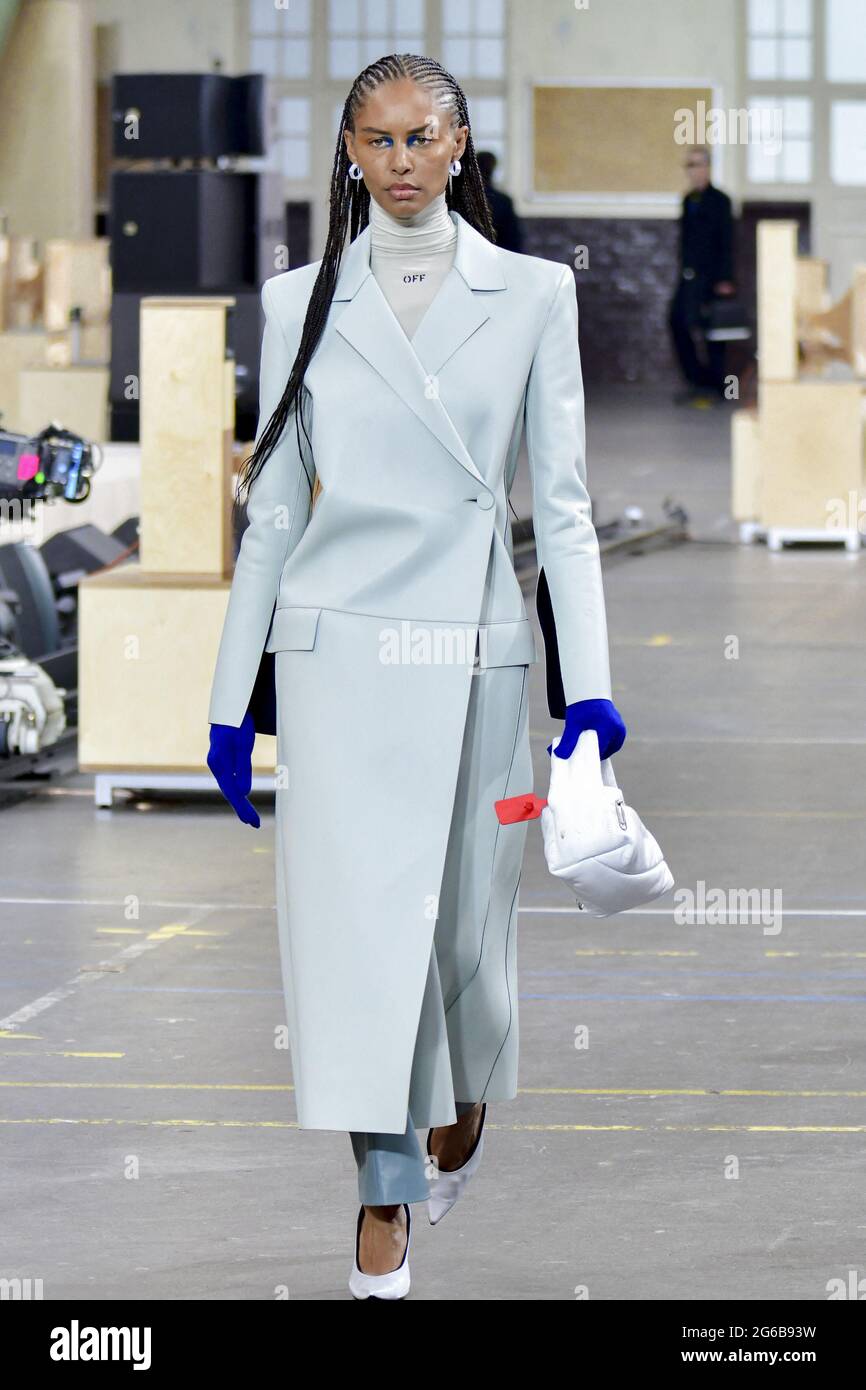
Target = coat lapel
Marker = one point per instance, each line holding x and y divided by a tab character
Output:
457	311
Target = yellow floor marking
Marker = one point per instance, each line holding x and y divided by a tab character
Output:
87	1054
141	1086
665	1091
760	814
704	1129
636	953
180	929
546	1129
523	1091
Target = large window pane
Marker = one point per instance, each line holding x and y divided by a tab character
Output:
344	17
265	56
488	116
797	16
846	40
762	58
373	47
375	14
297	18
293	115
797	162
294	158
792	163
296	57
343	57
848	143
796	59
762	166
797	116
409	18
489	17
457	16
264	17
489	58
763	16
457	56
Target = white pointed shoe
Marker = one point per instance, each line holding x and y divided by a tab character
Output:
447	1186
394	1284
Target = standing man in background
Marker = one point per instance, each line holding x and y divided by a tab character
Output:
505	220
706	269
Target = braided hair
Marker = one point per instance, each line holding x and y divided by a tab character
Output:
350	206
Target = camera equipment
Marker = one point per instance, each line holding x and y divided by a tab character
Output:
32	712
53	463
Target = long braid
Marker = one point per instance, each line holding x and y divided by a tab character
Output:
349	210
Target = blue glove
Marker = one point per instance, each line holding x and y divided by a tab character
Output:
230	759
600	715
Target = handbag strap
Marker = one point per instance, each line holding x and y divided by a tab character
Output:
608	776
585	761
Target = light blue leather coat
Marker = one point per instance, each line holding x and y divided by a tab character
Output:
416	445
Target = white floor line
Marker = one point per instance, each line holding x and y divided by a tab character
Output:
86	977
187	905
184	905
744	739
670	911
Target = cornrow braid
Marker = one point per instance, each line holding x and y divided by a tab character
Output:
349	210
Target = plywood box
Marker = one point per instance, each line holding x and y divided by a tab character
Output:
19	348
777	301
77	275
187	427
94	346
745	465
811	446
147	652
77	397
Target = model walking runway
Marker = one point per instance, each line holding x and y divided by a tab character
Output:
401	372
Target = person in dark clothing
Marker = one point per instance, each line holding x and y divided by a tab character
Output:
505	220
706	269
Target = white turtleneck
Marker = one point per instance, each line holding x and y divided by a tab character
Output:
410	257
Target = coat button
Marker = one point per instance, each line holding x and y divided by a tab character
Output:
485	501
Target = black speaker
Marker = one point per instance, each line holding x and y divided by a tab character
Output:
124	375
299	235
187	115
173	232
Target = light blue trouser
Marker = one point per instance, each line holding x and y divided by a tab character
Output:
391	1167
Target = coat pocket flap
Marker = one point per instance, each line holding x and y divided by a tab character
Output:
506	644
293	628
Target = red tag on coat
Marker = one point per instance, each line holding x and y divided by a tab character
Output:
516	808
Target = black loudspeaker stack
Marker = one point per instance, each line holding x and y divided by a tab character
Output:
196	229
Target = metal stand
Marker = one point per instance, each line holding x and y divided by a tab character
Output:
105	783
778	536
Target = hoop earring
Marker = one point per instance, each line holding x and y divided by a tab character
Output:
355	172
454	167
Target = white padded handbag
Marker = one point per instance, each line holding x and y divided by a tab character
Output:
593	841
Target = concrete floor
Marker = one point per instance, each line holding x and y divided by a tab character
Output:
148	1147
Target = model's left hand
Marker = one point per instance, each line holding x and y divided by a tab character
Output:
601	715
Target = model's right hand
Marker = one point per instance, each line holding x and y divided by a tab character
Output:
230	759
